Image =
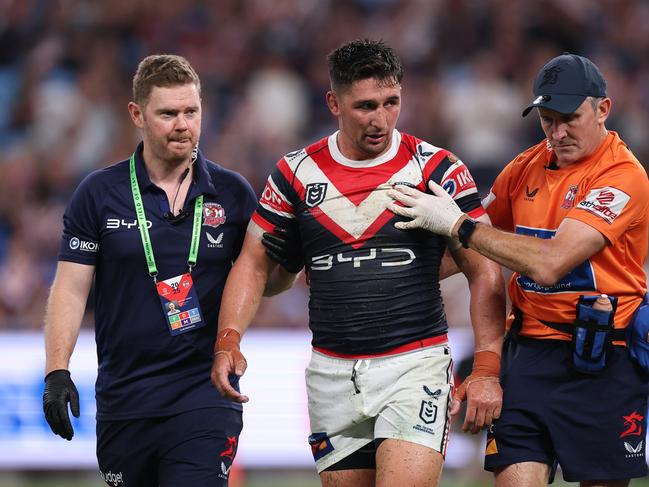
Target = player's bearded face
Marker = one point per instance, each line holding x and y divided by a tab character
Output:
172	122
367	113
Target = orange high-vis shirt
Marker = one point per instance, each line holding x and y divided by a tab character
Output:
608	191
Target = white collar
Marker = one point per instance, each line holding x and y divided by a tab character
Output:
386	156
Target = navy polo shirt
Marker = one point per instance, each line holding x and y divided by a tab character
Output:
143	370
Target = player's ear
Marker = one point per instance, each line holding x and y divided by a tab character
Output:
333	103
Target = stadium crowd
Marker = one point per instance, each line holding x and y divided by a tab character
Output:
65	83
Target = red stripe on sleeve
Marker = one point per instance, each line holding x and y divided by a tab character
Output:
262	222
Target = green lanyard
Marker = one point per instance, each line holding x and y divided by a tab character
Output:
144	231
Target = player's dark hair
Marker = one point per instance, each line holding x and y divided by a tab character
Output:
362	59
162	70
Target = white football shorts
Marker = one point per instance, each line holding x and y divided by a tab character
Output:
354	401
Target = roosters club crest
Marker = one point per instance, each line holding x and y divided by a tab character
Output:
230	448
633	425
213	214
315	194
569	198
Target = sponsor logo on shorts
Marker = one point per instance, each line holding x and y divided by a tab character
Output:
634	451
435	395
112	479
320	445
225	471
633	427
76	244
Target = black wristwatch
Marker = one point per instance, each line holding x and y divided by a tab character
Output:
467	227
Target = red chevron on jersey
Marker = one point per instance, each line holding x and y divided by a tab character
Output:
353	199
341	219
357	183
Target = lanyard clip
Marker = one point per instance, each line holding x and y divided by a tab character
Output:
154	275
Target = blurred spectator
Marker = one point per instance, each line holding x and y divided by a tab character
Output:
65	80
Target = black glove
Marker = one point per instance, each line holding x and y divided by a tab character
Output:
59	390
283	246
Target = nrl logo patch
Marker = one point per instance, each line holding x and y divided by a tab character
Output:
315	194
428	412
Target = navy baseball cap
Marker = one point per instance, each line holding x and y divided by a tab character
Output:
564	83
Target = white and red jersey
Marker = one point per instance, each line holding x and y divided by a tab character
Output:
373	287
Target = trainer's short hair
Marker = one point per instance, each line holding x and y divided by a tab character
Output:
162	70
362	59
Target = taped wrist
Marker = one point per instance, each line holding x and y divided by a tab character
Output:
486	363
486	367
227	340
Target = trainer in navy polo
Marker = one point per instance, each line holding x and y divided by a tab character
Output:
143	370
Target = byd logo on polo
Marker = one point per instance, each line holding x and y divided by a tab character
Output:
76	244
115	223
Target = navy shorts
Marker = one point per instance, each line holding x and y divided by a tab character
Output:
194	448
593	426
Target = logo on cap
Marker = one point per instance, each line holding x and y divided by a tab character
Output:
550	76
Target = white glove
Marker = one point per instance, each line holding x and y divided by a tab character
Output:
437	212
